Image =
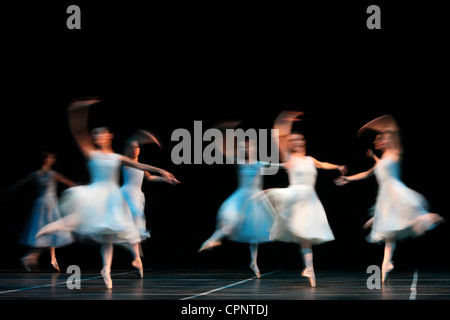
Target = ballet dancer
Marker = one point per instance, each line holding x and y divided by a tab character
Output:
133	178
98	211
300	216
44	211
399	212
244	216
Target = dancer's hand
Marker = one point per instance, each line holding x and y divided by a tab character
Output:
77	104
368	224
173	181
169	176
341	181
343	169
370	153
290	115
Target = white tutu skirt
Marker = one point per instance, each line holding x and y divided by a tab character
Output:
136	201
246	216
45	211
400	212
99	212
299	215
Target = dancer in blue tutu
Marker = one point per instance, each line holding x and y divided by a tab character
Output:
399	212
44	211
99	211
247	215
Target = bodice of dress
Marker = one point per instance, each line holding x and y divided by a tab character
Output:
249	176
104	167
387	170
45	183
132	177
302	171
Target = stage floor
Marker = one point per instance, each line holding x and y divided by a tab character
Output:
214	284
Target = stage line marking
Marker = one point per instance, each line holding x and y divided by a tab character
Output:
58	283
228	286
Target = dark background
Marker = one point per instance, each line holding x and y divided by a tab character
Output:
162	66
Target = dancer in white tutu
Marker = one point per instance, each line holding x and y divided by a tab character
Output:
44	211
246	215
133	178
300	216
399	211
98	211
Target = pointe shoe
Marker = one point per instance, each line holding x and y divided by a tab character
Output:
137	264
209	244
255	269
55	264
29	263
106	278
308	272
385	269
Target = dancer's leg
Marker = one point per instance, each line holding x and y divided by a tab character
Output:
253	258
214	241
31	258
106	252
307	254
53	260
387	265
137	263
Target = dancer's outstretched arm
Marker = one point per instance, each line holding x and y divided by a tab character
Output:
330	166
145	167
62	179
343	180
152	178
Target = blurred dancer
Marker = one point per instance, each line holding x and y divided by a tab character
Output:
133	178
245	216
44	211
399	211
300	216
99	211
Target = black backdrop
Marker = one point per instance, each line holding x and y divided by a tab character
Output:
163	66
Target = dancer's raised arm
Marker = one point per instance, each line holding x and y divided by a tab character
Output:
78	113
283	123
227	148
388	129
143	137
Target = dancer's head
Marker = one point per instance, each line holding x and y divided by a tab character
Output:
296	142
48	158
386	140
248	148
102	137
132	149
